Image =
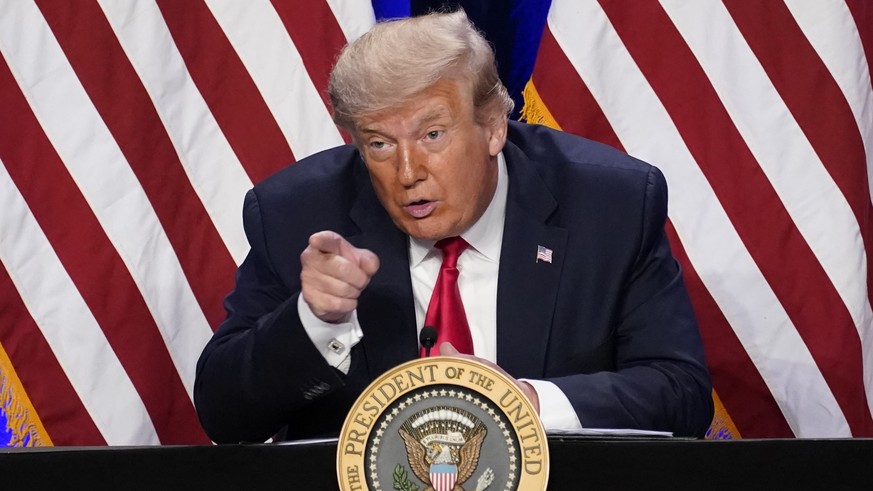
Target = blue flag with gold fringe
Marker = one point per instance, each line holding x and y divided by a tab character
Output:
19	424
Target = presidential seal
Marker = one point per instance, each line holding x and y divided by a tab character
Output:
442	424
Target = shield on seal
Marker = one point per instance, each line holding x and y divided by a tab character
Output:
443	476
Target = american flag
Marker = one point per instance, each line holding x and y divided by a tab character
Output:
760	114
130	131
544	254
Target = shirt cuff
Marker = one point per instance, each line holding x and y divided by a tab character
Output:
556	412
333	340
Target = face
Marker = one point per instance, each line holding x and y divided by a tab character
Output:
434	167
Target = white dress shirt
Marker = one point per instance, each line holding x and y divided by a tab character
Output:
477	282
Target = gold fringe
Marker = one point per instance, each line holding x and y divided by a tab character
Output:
722	427
21	418
534	110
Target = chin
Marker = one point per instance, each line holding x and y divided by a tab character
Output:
426	236
417	231
429	228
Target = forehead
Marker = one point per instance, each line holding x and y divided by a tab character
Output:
444	101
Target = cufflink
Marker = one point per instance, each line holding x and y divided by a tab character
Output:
335	346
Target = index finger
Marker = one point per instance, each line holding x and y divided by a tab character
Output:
327	242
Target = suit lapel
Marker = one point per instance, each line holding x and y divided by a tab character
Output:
527	288
386	310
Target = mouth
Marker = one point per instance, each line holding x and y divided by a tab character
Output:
420	208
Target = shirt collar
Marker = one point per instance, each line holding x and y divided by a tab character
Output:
486	234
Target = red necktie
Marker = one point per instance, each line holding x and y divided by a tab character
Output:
446	311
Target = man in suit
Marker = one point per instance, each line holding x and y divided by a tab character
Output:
566	277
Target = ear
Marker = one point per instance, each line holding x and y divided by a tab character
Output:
497	133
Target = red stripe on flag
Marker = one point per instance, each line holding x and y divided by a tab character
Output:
317	36
57	405
91	47
753	206
105	284
567	96
830	127
227	88
748	400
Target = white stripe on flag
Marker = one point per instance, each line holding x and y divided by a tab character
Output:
269	55
108	184
65	321
646	130
811	197
830	28
354	16
211	165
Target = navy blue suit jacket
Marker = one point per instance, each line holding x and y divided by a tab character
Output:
608	320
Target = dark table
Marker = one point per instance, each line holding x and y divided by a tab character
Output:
576	464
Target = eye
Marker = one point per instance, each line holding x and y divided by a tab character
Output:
377	145
433	135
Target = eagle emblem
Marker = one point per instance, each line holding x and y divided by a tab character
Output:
443	446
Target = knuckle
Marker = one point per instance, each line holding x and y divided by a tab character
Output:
307	255
344	269
338	305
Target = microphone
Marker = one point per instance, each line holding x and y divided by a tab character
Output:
427	338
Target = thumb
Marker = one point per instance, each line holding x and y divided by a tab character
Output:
368	261
446	349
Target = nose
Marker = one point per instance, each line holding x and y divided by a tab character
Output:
410	168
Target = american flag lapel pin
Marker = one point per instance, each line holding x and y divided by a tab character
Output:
544	254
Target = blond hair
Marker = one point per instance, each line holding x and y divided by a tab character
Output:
397	59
